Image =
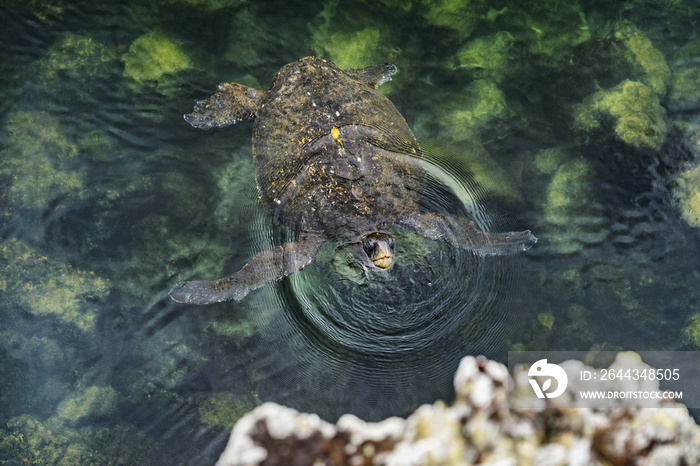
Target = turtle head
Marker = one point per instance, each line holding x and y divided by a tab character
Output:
379	248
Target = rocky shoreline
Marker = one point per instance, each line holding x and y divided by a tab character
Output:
480	427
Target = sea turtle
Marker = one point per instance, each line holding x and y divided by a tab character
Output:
333	159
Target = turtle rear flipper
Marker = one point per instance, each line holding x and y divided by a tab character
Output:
230	104
266	267
461	233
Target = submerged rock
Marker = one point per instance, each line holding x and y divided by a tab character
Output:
687	194
482	105
38	163
637	117
75	57
648	64
572	211
487	57
29	440
90	403
459	17
479	427
550	29
46	288
152	59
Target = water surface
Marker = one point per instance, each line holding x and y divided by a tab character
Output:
109	198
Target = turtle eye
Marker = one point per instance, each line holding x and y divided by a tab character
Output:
369	246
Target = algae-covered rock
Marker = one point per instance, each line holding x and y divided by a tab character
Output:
48	288
633	110
571	210
41	9
248	39
75	57
356	49
152	59
45	351
692	330
687	195
239	203
209	4
484	426
487	57
649	64
551	29
30	440
684	92
37	162
546	319
480	106
685	88
224	409
90	403
460	17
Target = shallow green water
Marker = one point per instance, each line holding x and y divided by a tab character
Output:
571	120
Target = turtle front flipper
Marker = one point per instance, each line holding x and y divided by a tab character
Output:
230	104
266	267
462	233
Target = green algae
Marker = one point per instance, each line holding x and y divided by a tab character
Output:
43	10
687	195
460	17
238	201
30	440
685	87
43	350
692	330
208	4
353	49
48	288
571	210
547	161
224	409
89	403
479	106
487	57
153	59
651	68
550	29
356	48
38	162
546	320
638	118
75	57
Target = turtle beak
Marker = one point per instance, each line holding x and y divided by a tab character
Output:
383	257
379	248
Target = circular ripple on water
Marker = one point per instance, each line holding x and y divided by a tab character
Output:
380	343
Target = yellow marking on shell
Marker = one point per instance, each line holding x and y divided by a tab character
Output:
335	133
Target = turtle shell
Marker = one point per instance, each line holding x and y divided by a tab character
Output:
331	154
